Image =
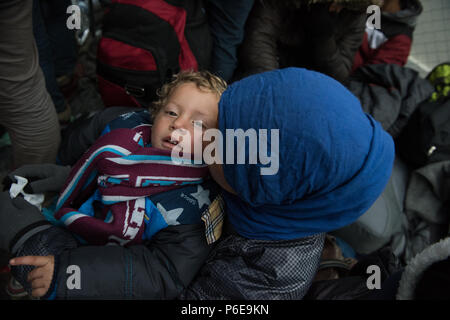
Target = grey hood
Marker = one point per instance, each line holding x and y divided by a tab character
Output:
409	15
417	266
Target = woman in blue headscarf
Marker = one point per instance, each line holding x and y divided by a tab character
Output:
327	163
332	161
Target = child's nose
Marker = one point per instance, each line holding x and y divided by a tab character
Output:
178	124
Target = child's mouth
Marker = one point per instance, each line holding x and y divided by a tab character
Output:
169	143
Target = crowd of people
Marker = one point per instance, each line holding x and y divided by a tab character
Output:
141	226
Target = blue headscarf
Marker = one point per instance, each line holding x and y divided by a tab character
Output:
334	160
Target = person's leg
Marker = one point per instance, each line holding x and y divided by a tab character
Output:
26	109
62	39
226	21
46	58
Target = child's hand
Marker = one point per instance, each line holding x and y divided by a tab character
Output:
40	278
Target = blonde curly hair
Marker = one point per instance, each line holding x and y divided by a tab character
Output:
204	80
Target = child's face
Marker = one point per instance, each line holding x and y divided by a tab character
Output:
186	106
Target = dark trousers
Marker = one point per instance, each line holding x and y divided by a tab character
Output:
56	45
226	19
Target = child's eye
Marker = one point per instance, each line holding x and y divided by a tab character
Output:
171	113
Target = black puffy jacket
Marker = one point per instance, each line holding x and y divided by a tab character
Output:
278	36
161	269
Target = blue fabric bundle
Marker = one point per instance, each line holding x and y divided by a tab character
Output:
334	160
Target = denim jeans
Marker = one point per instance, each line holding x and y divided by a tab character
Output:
56	45
226	19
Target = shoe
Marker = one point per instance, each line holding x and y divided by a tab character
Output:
15	290
64	117
68	84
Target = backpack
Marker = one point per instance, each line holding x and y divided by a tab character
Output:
426	137
440	78
144	43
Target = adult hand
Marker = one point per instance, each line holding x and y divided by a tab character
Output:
39	278
42	177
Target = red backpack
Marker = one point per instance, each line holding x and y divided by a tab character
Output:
145	42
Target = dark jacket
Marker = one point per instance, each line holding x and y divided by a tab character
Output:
247	269
353	284
279	36
158	269
390	93
161	269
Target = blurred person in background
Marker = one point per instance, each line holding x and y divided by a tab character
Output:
26	109
320	35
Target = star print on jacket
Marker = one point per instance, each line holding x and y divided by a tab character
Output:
185	205
170	216
202	196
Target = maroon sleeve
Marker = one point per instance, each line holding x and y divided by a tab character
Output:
394	51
